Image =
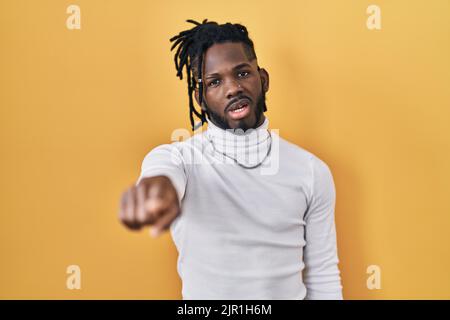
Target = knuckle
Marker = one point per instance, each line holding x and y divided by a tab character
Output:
141	219
156	214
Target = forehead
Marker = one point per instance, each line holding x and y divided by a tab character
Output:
223	56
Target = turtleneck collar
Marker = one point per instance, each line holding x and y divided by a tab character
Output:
248	148
249	138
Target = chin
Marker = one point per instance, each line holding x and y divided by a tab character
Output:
244	124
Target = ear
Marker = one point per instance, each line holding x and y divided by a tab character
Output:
264	79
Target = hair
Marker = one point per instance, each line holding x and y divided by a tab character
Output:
193	44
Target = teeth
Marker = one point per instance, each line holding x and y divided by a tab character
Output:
238	110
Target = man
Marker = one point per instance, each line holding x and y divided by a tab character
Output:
241	232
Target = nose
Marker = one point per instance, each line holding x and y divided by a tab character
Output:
234	88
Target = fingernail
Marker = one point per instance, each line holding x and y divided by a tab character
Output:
154	232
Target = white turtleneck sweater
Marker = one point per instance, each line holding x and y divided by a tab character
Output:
261	233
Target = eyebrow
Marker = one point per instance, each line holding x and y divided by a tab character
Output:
239	66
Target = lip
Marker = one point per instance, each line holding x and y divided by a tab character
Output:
234	104
242	114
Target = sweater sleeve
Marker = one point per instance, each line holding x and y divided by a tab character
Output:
321	275
166	160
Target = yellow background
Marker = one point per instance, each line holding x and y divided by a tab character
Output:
81	108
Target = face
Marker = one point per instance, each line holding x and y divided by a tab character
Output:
233	87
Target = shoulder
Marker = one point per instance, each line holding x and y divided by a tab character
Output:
318	171
301	154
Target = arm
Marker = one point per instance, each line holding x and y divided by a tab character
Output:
166	160
156	197
321	275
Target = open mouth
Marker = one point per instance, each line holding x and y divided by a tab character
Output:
240	109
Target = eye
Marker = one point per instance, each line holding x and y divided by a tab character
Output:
214	83
243	74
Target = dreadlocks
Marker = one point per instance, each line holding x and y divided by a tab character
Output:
192	45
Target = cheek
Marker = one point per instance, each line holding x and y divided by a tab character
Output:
256	87
214	102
